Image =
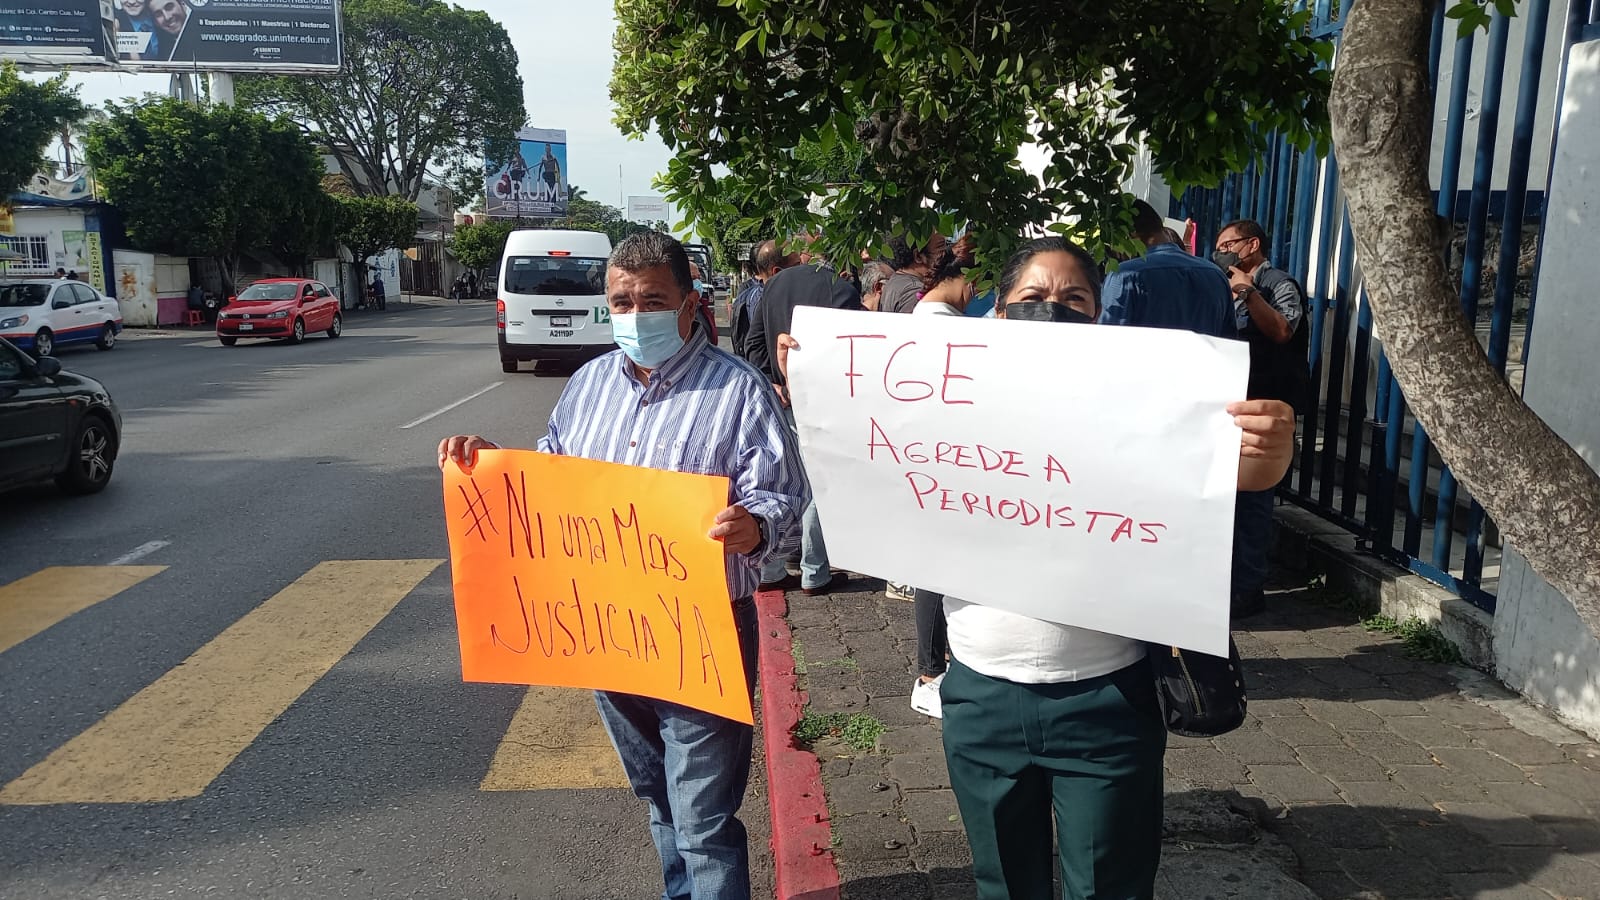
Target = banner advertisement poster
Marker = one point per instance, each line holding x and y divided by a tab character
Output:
229	35
645	210
533	182
1077	474
76	257
96	274
571	572
55	27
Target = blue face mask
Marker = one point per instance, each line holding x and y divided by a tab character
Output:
699	286
649	338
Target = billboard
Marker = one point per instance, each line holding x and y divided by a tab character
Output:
56	32
647	209
533	182
228	35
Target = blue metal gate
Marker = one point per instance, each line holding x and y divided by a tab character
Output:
1365	462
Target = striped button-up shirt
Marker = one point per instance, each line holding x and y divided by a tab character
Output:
704	411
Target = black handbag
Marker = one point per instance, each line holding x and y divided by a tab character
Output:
1201	695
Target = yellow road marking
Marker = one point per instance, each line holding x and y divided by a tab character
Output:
554	741
172	739
44	598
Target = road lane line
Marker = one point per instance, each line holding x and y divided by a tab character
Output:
44	598
172	739
444	409
139	552
554	741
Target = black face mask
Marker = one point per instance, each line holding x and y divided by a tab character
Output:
1045	311
1225	259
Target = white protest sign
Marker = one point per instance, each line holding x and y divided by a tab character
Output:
1078	474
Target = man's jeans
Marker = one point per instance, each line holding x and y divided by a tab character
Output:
691	767
814	568
1252	538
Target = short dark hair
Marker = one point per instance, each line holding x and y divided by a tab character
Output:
1147	223
1248	228
953	263
1053	244
904	254
649	249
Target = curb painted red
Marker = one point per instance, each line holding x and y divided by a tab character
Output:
802	836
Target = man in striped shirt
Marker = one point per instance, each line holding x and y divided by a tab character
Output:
669	399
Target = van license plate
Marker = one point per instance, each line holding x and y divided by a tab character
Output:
560	321
560	332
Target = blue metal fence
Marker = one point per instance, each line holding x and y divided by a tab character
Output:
1365	462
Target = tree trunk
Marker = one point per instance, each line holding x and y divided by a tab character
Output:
1543	496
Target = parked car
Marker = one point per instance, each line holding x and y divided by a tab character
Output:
280	308
54	424
40	315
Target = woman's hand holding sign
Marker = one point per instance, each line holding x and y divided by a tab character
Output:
1267	446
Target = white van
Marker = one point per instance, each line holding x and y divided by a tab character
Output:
551	299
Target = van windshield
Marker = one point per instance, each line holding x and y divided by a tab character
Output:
546	275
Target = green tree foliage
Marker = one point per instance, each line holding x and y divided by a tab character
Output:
31	113
369	226
941	95
584	214
210	181
425	84
479	246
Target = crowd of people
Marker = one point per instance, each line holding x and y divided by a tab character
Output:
1041	720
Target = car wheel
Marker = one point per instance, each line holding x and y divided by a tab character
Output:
44	343
508	365
299	333
94	451
228	341
108	337
337	328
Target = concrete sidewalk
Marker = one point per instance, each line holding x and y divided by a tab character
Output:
1361	772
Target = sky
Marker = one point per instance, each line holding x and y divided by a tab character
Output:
564	53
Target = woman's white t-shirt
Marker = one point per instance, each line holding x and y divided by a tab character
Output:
1026	650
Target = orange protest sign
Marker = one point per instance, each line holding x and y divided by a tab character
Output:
577	573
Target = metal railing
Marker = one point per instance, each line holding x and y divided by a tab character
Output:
1365	461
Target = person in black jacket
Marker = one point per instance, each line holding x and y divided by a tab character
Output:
808	284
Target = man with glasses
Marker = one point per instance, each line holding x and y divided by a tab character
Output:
1270	312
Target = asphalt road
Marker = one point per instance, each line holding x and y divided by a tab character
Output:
235	712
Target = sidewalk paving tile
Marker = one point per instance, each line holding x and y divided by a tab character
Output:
1371	775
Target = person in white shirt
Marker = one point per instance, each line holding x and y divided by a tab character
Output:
1040	715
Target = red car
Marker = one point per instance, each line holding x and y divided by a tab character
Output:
280	308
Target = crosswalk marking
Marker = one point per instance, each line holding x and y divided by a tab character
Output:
554	741
44	598
172	739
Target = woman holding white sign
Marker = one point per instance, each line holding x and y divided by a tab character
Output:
1038	714
1041	717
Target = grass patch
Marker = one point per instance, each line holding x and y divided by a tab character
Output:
859	730
1422	640
799	653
